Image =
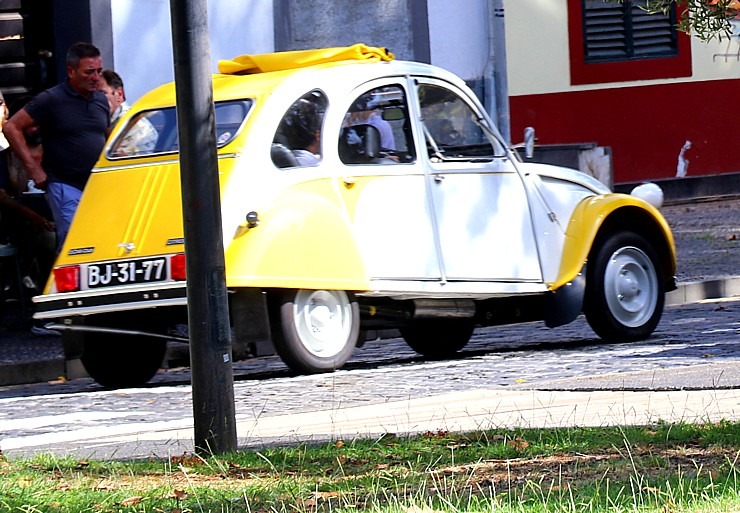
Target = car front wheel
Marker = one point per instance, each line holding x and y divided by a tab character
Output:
316	330
624	292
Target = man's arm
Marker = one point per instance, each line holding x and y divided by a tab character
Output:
37	221
14	132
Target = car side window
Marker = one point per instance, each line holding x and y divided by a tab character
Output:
141	135
376	128
452	128
153	132
297	141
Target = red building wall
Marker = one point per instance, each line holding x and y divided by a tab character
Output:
645	126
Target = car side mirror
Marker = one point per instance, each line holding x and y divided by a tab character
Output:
359	144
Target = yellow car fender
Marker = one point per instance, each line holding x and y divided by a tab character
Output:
598	215
303	240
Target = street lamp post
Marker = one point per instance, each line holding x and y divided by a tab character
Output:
208	315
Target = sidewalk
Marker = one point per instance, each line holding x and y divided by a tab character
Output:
83	435
707	232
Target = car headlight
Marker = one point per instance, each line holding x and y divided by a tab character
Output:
649	192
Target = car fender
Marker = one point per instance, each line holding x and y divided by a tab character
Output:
595	215
302	240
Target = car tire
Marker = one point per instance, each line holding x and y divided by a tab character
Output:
122	361
624	291
315	330
438	338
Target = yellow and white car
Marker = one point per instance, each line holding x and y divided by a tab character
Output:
402	208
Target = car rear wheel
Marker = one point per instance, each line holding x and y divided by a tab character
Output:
122	361
438	338
316	330
624	292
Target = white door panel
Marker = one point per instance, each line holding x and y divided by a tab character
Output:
394	230
484	226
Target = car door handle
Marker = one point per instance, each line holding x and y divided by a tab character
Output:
439	178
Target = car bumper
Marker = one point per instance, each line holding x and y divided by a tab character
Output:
120	299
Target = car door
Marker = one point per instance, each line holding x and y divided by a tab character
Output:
480	205
385	191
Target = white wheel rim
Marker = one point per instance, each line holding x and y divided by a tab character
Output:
631	286
323	321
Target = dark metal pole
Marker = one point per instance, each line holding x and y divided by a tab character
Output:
496	78
208	316
500	75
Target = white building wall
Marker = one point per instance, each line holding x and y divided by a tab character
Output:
536	42
538	60
717	59
537	46
458	36
142	37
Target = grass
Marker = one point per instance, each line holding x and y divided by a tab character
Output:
663	468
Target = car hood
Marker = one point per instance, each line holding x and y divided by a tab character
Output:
546	171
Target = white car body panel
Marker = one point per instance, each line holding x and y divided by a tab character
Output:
484	232
460	289
393	229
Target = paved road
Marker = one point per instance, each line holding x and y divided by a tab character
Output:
694	347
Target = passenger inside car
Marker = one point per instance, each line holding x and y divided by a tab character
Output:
365	112
384	110
297	142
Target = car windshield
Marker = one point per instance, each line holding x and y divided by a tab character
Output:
153	132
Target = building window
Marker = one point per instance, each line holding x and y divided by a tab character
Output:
619	31
620	42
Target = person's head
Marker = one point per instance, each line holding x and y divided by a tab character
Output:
363	107
365	103
302	124
84	68
112	86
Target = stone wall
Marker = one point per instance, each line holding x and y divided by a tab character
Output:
399	25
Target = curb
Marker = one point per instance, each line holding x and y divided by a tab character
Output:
692	188
696	291
25	373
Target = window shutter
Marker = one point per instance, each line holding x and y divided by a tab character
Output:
652	34
621	31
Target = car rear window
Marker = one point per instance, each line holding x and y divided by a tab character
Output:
153	132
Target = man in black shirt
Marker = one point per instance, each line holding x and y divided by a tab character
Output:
73	117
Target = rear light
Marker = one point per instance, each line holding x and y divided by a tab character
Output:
177	267
67	278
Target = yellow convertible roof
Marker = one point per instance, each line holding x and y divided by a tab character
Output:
279	61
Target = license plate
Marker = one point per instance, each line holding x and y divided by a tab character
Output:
123	273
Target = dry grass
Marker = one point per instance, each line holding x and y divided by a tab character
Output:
668	468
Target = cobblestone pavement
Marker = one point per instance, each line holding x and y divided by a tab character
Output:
707	237
522	356
694	347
